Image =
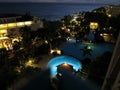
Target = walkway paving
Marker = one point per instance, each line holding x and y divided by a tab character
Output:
44	61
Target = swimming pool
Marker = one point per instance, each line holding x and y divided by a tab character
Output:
76	50
53	63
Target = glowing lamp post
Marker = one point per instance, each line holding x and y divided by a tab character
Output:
55	50
30	62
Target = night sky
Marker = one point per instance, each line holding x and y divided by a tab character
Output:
70	1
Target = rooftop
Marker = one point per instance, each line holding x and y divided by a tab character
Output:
10	18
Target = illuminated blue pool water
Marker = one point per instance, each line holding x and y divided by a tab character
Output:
74	49
53	63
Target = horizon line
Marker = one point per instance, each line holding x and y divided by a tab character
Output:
63	2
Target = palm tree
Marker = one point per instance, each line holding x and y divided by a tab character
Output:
26	36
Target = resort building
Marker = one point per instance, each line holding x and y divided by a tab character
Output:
9	28
113	10
112	79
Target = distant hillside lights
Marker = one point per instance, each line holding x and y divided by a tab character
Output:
109	15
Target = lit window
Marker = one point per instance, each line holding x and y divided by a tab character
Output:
3	31
28	23
19	24
2	26
11	25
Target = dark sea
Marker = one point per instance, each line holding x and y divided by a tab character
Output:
49	11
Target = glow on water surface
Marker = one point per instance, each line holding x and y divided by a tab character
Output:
53	63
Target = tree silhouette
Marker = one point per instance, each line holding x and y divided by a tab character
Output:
98	68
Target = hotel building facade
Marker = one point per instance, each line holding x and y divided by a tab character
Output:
9	28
